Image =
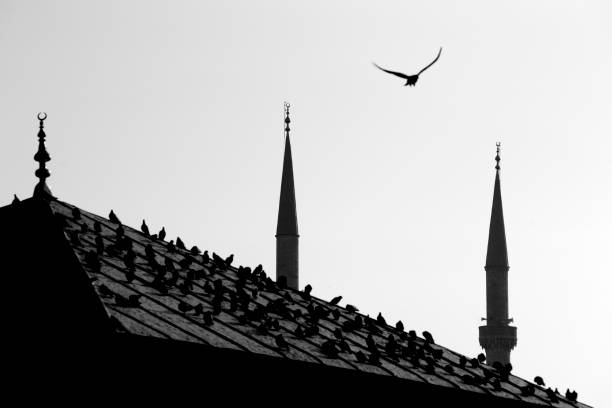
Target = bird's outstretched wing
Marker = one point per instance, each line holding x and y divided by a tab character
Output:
432	62
399	74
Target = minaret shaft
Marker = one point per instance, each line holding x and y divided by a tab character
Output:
286	229
497	337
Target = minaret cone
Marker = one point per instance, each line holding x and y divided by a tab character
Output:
497	337
286	228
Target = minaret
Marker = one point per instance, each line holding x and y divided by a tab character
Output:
497	337
286	228
41	190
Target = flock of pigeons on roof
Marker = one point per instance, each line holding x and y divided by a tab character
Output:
399	343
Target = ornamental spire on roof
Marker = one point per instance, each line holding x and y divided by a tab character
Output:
287	214
286	227
497	337
41	190
497	252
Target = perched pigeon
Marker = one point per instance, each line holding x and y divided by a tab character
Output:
162	233
281	343
76	213
351	308
361	358
144	228
113	218
399	326
539	380
336	300
571	395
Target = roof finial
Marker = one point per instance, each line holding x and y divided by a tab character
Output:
41	190
287	120
497	159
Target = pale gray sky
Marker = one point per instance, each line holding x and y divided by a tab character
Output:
172	111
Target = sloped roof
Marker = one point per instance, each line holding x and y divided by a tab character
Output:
233	308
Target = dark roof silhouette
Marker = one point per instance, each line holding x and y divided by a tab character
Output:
149	288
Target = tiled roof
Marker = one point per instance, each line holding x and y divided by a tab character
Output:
150	287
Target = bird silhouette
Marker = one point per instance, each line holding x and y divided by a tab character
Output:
184	307
527	390
105	291
539	380
571	395
381	320
229	260
351	308
258	269
551	395
374	358
113	217
281	343
344	346
427	336
410	79
360	357
336	300
338	333
482	358
144	228
198	309
208	319
399	326
371	343
179	243
130	301
162	233
76	213
299	333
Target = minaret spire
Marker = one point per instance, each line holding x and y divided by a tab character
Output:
41	190
497	337
286	228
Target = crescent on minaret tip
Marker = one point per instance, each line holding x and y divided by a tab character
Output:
497	158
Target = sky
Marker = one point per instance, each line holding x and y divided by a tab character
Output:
172	111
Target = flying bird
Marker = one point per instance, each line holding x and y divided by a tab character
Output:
410	79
